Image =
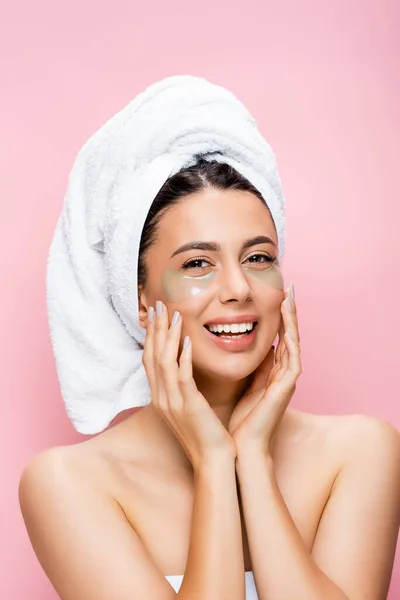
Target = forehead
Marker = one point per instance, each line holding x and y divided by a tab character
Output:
216	215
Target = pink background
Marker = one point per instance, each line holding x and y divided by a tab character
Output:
323	82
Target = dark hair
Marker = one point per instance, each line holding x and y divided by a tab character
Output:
203	174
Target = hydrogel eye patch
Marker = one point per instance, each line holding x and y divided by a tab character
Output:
178	286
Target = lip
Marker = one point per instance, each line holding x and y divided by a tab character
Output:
234	344
232	319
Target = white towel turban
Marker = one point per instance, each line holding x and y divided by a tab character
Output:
92	264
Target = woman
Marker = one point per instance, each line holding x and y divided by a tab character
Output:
217	488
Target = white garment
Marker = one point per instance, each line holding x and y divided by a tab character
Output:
251	592
91	285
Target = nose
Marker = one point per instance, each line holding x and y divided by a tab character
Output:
233	285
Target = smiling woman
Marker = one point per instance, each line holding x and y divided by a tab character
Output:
216	488
235	280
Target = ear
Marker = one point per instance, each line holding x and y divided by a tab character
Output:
143	306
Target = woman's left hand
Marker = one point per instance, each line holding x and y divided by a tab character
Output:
258	412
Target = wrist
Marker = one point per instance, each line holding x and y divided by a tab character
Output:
252	455
215	462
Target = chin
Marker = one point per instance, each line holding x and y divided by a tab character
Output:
233	367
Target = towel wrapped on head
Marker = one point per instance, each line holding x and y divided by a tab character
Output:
92	293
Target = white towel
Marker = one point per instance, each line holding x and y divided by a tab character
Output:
92	264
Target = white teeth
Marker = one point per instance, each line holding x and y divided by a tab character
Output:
234	328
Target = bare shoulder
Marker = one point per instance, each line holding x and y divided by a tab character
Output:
66	466
350	436
47	465
358	431
372	439
51	478
79	531
363	504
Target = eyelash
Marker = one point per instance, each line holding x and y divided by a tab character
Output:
189	263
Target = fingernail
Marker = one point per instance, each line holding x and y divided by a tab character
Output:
159	308
186	342
288	304
291	291
175	317
150	314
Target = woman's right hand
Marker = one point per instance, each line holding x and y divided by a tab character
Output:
175	394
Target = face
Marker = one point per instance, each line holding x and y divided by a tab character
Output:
232	278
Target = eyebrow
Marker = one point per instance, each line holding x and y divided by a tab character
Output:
214	247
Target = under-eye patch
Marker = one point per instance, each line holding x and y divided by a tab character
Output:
178	286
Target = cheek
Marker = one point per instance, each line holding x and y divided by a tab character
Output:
272	278
178	287
188	295
268	299
190	309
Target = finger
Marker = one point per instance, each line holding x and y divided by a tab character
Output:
282	353
292	353
281	343
295	320
169	365
186	382
285	355
148	355
160	332
290	316
286	323
294	368
160	329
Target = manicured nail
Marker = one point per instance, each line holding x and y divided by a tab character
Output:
290	334
288	304
150	314
159	308
175	318
186	342
291	291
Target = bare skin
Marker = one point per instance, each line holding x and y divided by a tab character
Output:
127	494
137	463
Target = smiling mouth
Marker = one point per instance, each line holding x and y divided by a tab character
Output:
230	334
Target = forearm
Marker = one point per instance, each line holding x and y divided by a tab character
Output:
282	566
215	566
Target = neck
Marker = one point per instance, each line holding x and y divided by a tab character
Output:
222	396
165	447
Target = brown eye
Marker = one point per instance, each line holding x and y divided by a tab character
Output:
261	259
195	263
